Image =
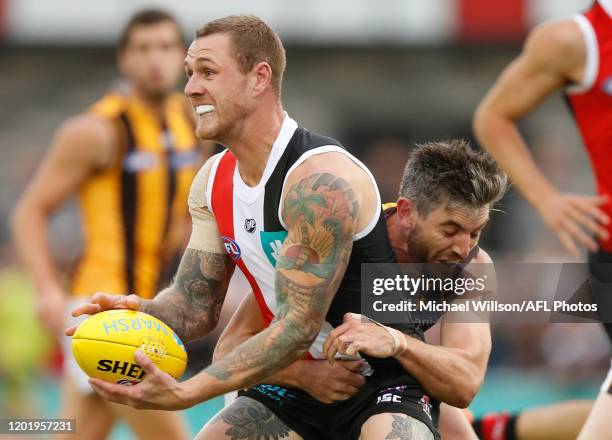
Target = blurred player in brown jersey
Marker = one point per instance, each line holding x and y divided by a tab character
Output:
130	159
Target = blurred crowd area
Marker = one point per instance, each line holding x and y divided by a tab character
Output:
379	101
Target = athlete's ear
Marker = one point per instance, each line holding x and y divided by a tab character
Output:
406	212
262	77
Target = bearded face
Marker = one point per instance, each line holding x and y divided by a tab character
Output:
446	235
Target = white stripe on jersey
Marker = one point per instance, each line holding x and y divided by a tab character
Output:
591	67
251	250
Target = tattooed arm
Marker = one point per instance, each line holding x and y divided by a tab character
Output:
325	200
452	367
191	305
324	381
321	210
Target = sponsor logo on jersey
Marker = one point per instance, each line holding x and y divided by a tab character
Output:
231	247
183	159
424	401
271	243
140	160
250	225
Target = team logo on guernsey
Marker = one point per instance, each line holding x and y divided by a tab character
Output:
249	225
271	243
606	86
231	247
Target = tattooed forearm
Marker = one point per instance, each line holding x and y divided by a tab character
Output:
319	212
283	341
191	305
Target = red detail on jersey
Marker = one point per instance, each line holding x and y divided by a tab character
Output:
493	426
222	201
593	112
492	21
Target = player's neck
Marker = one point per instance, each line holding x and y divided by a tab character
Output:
155	104
398	240
254	141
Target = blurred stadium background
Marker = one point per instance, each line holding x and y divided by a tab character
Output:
378	75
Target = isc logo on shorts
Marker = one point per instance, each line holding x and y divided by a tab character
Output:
231	247
389	397
393	394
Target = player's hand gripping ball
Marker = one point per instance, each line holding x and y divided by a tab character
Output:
104	346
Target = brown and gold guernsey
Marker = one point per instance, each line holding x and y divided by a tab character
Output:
128	209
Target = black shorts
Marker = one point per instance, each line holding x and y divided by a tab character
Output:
314	420
600	268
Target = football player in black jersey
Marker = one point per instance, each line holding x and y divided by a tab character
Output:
436	219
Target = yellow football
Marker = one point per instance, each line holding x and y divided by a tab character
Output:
104	346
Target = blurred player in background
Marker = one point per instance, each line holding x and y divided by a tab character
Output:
573	56
131	159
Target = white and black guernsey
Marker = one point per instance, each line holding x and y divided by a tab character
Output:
252	230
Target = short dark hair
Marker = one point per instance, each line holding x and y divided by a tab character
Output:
451	173
147	17
252	41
